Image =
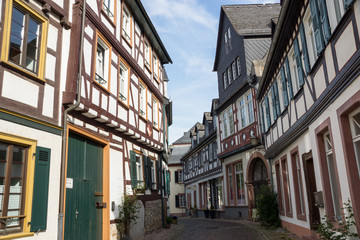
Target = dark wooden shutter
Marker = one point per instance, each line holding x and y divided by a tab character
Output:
267	108
304	49
284	87
273	102
168	182
299	66
319	38
277	100
177	201
288	78
133	169
149	179
324	19
263	119
158	175
40	190
347	3
176	177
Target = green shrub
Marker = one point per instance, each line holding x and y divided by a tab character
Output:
267	207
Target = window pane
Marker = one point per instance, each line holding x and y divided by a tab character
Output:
3	164
16	36
32	45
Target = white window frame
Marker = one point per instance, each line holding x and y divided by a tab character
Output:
155	108
332	175
225	79
293	71
126	23
124	76
109	8
102	63
355	133
246	107
242	184
142	100
153	174
139	169
230	77
147	54
233	68
238	64
310	38
182	200
156	66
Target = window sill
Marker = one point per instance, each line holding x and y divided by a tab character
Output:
17	235
142	117
127	41
98	84
147	66
112	21
22	71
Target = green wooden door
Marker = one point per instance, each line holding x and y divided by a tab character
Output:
83	219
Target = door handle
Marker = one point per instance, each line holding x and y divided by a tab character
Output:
76	214
100	204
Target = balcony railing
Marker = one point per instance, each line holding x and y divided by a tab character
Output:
99	79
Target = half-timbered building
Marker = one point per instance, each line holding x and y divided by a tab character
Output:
32	34
202	169
116	116
177	199
244	35
309	99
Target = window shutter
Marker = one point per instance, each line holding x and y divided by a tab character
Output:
168	182
324	20
177	201
263	119
133	169
176	177
277	100
149	178
319	38
304	49
158	175
284	87
288	78
298	62
273	102
347	3
267	111
40	190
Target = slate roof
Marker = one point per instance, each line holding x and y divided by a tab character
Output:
185	139
249	19
255	49
178	152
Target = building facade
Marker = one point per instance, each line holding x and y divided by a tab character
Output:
244	36
32	34
118	115
309	96
177	199
203	176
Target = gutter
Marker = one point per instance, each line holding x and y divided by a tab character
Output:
65	129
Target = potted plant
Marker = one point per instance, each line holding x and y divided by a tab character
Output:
168	222
206	211
212	212
194	211
127	216
140	189
174	220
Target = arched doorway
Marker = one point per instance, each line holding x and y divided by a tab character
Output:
257	176
260	177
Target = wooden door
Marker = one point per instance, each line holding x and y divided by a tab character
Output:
83	213
310	181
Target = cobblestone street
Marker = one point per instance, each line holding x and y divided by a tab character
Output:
218	229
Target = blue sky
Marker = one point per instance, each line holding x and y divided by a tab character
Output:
188	29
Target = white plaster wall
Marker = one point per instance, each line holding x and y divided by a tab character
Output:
113	81
50	67
319	82
93	6
53	142
116	181
87	55
19	90
329	64
48	103
345	46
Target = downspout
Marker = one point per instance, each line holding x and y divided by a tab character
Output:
65	129
161	177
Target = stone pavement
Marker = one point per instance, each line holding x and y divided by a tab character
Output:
175	231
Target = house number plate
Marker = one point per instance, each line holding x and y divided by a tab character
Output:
69	183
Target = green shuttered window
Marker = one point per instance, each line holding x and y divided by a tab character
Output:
41	188
288	78
304	49
284	87
298	62
133	169
320	23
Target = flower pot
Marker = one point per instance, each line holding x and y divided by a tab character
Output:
206	213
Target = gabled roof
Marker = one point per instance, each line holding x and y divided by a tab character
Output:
252	19
178	152
185	139
142	17
247	20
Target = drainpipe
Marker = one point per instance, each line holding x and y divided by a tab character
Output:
64	135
